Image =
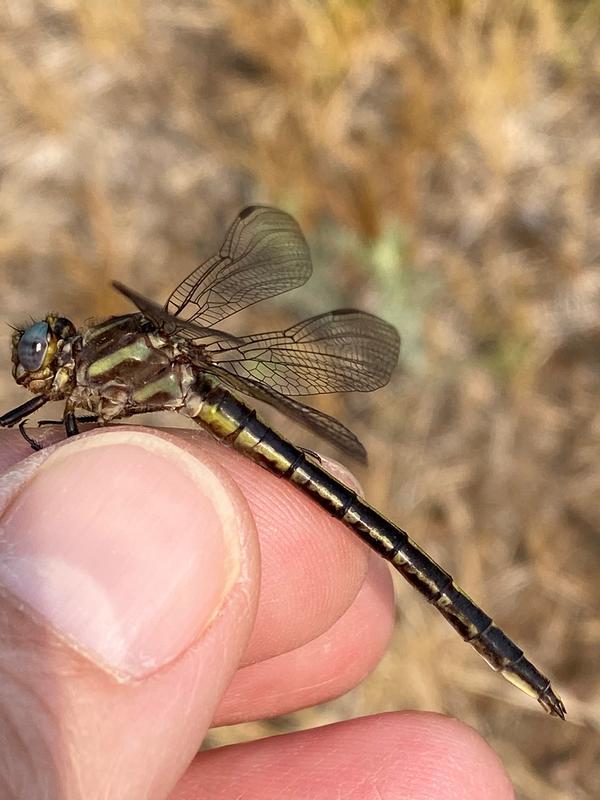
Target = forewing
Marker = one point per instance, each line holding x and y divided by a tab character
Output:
340	351
317	422
263	255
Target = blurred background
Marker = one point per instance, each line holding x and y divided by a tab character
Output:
443	158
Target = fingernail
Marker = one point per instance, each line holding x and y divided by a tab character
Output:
126	544
342	473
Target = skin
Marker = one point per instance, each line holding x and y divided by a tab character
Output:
304	614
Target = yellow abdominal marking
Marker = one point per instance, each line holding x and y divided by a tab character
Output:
518	682
211	416
246	440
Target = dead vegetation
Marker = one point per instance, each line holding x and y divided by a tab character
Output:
444	159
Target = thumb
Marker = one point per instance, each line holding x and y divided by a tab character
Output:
128	585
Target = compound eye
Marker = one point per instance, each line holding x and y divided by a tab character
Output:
33	346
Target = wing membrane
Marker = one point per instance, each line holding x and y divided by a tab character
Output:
340	351
323	425
263	255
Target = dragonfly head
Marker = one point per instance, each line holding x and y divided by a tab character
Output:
35	350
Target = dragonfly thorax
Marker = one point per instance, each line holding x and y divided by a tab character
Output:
36	355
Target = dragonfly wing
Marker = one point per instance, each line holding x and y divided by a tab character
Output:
263	255
340	351
169	324
322	424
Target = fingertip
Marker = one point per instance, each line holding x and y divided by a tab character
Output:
445	759
342	473
416	755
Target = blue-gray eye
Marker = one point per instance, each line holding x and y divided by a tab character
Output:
33	346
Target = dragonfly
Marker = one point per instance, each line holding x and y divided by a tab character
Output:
173	357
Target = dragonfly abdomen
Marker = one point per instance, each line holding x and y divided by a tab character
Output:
232	421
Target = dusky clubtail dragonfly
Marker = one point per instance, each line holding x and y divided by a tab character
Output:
173	357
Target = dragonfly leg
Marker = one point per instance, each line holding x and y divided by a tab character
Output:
82	420
71	427
22	412
30	441
69	421
18	416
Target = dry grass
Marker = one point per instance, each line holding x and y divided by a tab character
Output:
444	158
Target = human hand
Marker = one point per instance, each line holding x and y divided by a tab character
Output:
137	610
